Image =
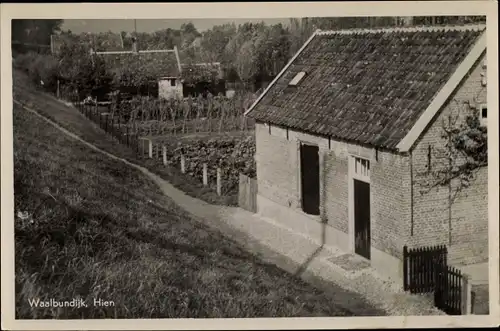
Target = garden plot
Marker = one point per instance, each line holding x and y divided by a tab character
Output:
231	152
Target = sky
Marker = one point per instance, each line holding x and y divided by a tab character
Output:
145	25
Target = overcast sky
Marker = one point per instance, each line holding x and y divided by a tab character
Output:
117	25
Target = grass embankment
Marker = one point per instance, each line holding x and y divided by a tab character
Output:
69	118
92	227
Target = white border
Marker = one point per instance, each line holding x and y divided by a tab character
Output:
243	10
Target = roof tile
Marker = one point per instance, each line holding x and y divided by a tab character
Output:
369	87
153	65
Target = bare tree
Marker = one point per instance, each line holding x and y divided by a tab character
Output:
456	162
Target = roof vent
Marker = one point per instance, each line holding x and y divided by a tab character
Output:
298	77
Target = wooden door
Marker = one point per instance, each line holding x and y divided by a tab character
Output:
362	218
309	165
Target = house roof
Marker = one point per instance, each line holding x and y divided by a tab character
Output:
150	64
365	86
197	72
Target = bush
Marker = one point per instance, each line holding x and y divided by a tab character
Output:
39	67
232	155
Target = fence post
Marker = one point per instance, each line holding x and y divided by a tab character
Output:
466	291
183	163
150	145
164	152
219	182
205	174
126	136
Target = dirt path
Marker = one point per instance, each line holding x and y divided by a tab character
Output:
358	290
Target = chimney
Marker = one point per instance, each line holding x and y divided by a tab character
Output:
134	45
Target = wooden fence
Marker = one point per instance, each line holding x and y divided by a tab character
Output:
112	125
426	270
247	193
448	292
419	267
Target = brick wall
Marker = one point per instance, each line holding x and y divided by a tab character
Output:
390	184
468	215
277	157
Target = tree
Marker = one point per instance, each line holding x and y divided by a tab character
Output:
246	63
463	153
188	34
35	31
273	50
215	40
81	71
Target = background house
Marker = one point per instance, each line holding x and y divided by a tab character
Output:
148	72
350	129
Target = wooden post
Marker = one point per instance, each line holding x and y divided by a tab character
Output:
126	135
183	164
219	182
205	174
466	295
164	151
58	89
150	148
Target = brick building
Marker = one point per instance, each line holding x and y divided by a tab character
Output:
346	134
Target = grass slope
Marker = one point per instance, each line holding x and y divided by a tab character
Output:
69	118
98	229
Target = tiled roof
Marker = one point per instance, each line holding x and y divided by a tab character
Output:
368	87
107	41
197	72
148	64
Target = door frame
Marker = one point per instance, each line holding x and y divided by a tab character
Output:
351	176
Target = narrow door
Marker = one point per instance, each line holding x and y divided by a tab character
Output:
309	165
362	218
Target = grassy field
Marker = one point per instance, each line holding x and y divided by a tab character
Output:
90	227
71	119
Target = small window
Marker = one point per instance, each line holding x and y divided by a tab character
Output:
484	112
298	77
172	82
361	167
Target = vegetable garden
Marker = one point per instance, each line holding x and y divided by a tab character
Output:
210	131
73	74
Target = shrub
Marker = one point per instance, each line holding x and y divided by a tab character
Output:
39	67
